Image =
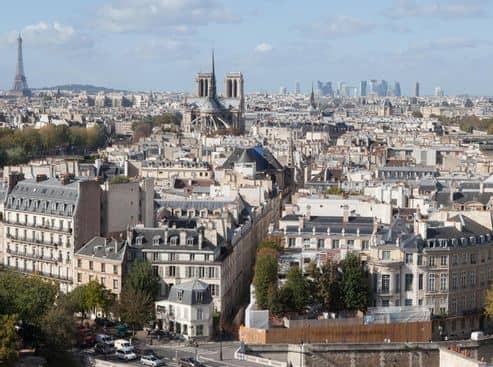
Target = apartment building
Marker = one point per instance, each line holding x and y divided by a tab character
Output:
46	221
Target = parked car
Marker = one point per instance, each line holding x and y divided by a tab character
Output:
160	333
152	360
190	362
85	337
127	355
106	339
104	348
102	322
122	344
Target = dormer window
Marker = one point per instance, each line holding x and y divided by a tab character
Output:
139	240
190	241
156	240
173	241
180	295
200	297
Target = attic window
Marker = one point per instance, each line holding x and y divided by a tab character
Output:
200	297
180	295
138	240
190	241
155	240
173	240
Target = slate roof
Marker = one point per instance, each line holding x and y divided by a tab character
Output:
336	225
194	292
443	197
263	159
153	239
48	197
102	248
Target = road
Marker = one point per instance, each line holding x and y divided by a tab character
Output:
207	353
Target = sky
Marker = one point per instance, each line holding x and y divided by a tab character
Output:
144	45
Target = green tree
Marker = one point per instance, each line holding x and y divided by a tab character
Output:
8	340
296	282
354	283
273	301
327	286
119	180
136	307
58	330
266	269
90	297
141	278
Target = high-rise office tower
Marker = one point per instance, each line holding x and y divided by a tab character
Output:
383	88
416	89
324	89
439	92
20	83
297	88
396	89
362	88
373	87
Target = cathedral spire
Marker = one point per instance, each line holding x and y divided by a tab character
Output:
312	98
212	86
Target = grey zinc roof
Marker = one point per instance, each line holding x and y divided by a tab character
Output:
153	238
336	224
102	248
263	158
41	196
193	292
193	204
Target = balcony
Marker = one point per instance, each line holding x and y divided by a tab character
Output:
35	241
34	257
60	278
45	227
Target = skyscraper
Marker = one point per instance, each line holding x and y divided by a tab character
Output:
324	89
297	88
416	89
20	87
439	92
396	89
362	88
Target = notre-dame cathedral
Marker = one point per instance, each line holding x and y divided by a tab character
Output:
209	113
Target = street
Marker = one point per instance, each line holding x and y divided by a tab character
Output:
207	353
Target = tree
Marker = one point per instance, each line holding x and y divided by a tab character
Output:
88	297
58	330
266	270
354	283
142	278
119	180
8	340
136	307
488	304
327	286
274	301
295	281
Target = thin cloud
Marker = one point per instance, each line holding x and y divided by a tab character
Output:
152	15
440	9
445	44
339	26
263	47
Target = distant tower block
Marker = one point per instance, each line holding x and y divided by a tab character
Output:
20	87
233	85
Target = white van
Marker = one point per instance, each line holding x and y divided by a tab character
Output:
477	335
105	339
125	345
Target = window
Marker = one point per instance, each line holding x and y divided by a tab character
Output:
409	282
320	243
199	330
115	269
91	265
473	258
463	279
472	278
409	258
179	295
200	314
420	260
431	261
171	271
385	283
454	281
443	282
385	303
79	263
397	282
306	243
103	267
79	277
115	283
190	241
455	260
212	272
443	260
173	241
291	242
350	243
192	257
365	244
335	243
386	255
431	282
214	289
408	302
103	281
420	281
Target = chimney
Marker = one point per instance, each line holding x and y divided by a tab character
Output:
201	238
301	222
13	179
64	178
481	187
41	177
345	214
115	243
422	228
183	237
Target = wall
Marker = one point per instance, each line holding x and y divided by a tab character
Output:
450	358
376	333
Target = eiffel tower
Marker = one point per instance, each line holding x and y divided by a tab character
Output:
20	87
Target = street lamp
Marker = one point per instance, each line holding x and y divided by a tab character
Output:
301	353
221	344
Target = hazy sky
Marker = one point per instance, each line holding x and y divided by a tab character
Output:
161	44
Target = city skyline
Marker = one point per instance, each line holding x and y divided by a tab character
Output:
158	45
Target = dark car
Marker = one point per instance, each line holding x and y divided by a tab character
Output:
103	348
85	337
190	362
